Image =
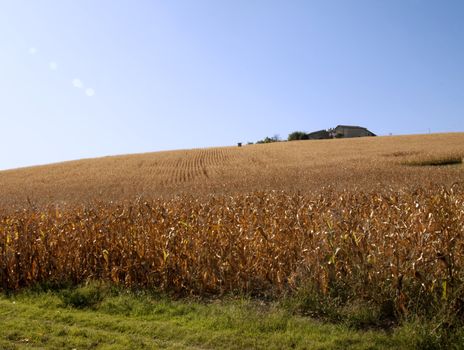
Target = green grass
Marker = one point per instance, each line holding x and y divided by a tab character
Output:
99	318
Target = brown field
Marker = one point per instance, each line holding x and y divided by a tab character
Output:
362	164
377	219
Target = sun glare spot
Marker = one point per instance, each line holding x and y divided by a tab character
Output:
77	83
90	92
53	65
32	51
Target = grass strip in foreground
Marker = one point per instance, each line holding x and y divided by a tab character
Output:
50	320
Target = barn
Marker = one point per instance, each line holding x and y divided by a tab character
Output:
351	131
318	135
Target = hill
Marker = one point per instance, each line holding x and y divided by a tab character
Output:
305	166
366	232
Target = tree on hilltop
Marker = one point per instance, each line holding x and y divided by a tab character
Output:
275	138
297	135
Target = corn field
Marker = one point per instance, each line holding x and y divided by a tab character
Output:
370	164
405	246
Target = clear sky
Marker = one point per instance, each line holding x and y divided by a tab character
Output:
88	78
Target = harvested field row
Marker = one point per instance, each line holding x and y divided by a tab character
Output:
186	166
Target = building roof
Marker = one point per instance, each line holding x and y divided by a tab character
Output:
316	132
350	127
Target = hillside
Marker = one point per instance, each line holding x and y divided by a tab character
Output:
363	163
365	232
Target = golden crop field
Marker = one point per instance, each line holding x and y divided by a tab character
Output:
380	219
306	166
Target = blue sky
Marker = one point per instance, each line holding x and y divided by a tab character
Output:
88	78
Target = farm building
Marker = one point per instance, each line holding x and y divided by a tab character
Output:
351	131
318	135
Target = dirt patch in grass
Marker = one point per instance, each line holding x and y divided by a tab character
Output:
399	154
436	161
